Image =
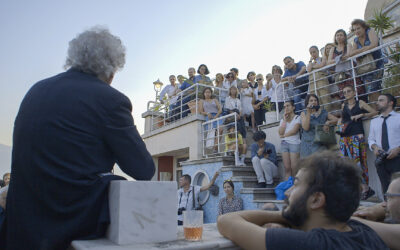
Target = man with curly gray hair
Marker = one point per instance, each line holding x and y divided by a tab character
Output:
71	129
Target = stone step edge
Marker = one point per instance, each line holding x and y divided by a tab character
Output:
257	191
269	201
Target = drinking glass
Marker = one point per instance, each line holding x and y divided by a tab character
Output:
193	224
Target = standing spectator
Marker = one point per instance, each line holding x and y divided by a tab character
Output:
293	71
367	39
251	77
228	83
259	98
246	97
277	89
202	78
185	194
170	90
211	109
290	146
219	82
181	79
231	203
6	179
263	157
333	88
230	143
384	139
233	105
59	188
318	79
184	102
343	49
352	142
313	116
236	79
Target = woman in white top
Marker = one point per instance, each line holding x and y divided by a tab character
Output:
246	96
289	131
233	105
259	98
273	83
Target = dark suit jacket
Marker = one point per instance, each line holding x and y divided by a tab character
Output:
69	129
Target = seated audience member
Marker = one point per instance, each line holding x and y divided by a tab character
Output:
246	97
318	79
263	157
292	74
259	98
231	203
233	105
181	79
230	143
313	116
367	39
342	49
277	89
185	194
289	132
251	77
6	179
202	78
3	199
317	213
384	139
70	131
388	211
352	137
211	109
168	95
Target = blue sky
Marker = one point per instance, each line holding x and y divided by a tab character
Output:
162	38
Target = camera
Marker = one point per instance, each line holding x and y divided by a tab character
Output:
180	210
316	107
269	151
381	158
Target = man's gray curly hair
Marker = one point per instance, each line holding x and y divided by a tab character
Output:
96	51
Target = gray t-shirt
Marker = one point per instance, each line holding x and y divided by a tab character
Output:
361	237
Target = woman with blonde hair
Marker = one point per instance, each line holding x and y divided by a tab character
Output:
259	98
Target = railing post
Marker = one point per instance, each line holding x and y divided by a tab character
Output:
181	102
353	73
236	142
315	84
197	94
276	102
218	146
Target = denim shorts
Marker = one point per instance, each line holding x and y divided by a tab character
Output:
289	147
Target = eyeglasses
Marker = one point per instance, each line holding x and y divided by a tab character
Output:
259	79
229	77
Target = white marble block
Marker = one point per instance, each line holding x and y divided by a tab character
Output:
142	212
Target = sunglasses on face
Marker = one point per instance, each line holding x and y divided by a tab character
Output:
259	79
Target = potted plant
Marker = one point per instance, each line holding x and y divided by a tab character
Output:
270	114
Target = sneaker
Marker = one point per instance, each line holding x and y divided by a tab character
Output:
367	194
269	185
261	185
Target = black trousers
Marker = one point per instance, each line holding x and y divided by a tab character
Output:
385	172
259	114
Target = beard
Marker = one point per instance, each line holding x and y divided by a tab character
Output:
296	213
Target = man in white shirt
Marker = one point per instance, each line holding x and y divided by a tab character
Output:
384	139
186	201
170	90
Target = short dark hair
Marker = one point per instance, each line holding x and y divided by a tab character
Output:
288	57
204	90
291	102
345	38
206	73
338	179
360	22
250	73
391	99
314	47
308	99
259	135
234	70
187	177
278	68
230	184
